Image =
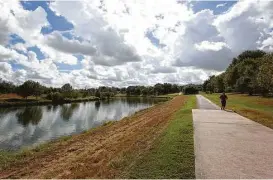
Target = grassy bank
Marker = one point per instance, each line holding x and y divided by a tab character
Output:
256	108
172	155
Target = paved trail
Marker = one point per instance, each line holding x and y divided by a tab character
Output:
228	145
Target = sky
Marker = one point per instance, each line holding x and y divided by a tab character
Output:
91	43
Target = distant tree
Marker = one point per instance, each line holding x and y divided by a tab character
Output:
66	88
144	91
29	88
97	93
265	75
159	89
57	97
6	87
190	89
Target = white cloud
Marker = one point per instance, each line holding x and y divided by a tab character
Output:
5	67
7	54
245	25
210	46
59	43
181	46
20	47
221	5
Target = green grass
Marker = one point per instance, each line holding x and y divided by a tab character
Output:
256	108
172	155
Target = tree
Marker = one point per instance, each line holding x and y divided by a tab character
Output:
6	87
242	84
190	89
29	88
159	89
219	83
231	77
66	88
97	93
265	75
253	54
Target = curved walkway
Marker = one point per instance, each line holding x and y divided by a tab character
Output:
228	145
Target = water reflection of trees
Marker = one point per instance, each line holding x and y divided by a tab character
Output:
4	111
97	105
31	115
67	111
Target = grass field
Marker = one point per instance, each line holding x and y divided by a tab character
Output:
172	155
256	108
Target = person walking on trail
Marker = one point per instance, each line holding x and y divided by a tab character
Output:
223	98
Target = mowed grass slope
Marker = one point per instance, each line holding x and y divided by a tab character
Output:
172	155
256	108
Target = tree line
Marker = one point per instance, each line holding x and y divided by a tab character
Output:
250	72
32	88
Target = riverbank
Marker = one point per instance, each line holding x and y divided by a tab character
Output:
34	102
256	108
107	151
16	102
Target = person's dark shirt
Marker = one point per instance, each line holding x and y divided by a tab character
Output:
223	97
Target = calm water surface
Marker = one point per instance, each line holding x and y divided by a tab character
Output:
29	126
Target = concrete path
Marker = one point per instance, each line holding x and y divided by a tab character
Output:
204	103
228	145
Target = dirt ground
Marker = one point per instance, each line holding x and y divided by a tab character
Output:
105	152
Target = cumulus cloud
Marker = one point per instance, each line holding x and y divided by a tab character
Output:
126	42
58	42
90	24
5	67
7	54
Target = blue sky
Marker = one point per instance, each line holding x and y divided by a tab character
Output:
57	23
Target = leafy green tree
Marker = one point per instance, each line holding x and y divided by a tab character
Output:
242	84
97	93
231	77
66	88
253	54
190	89
29	88
158	88
6	87
265	75
57	97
